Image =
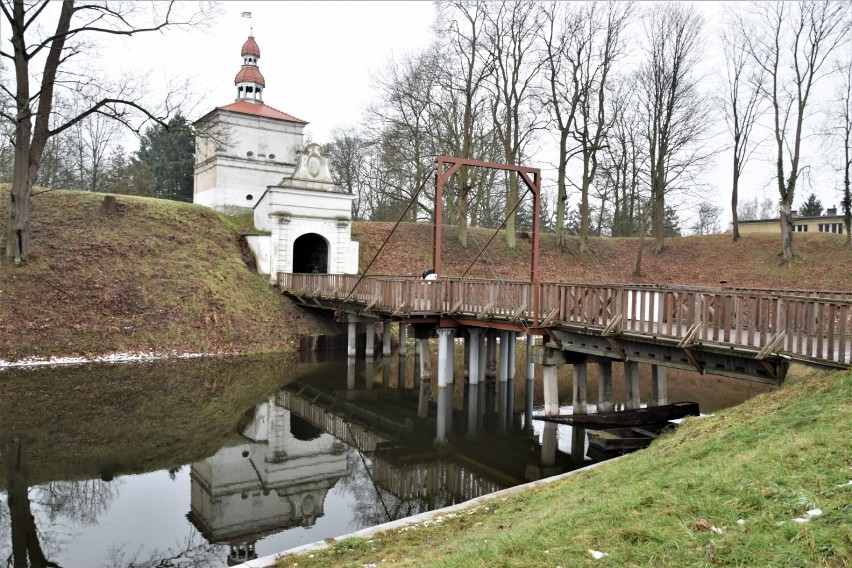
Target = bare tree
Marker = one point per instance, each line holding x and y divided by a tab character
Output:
512	31
33	113
840	130
563	47
92	139
707	219
792	43
347	155
677	116
602	28
742	105
463	100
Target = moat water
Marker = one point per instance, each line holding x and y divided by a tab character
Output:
203	463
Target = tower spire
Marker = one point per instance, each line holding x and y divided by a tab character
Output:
249	81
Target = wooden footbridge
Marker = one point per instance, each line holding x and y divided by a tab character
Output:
751	334
744	333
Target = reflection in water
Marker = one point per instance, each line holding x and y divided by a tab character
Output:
93	460
273	475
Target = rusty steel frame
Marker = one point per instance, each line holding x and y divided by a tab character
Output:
531	177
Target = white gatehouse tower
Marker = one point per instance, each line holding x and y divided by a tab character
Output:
249	157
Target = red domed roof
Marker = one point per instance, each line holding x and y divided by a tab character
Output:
250	48
250	74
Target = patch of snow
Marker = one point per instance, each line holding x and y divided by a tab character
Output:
129	357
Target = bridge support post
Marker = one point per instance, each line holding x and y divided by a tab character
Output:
510	385
604	385
530	390
352	334
403	339
659	386
631	383
578	445
371	340
386	338
472	342
480	413
548	444
551	390
445	371
502	381
578	384
425	359
491	355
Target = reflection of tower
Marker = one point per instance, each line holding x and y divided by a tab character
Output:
271	477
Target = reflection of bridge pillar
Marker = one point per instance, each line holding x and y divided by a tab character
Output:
631	383
604	385
369	372
472	341
578	385
551	389
578	445
548	444
423	400
371	340
530	390
350	376
659	386
386	338
242	552
502	382
352	335
403	339
386	370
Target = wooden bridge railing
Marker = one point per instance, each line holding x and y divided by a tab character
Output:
804	323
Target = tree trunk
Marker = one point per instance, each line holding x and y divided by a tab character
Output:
511	200
561	196
584	207
786	230
735	186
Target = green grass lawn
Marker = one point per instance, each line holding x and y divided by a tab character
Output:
723	490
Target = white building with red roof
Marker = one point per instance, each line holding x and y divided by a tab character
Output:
243	147
249	157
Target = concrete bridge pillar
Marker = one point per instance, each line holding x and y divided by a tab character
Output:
491	355
480	413
578	385
386	338
604	385
631	383
551	390
403	339
502	381
351	338
371	340
445	384
425	359
510	385
659	386
548	444
530	390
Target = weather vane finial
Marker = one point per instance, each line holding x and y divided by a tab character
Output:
251	26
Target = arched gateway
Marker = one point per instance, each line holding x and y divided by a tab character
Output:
310	254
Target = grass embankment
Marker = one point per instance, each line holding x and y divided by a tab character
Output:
822	262
723	490
156	276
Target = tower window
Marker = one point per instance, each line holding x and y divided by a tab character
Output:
271	156
249	197
249	154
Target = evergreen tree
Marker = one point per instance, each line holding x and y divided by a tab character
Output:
812	207
169	153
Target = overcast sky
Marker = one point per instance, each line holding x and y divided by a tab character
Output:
318	59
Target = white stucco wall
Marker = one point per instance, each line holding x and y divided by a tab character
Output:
261	246
226	177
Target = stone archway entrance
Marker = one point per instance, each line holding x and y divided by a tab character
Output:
310	254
